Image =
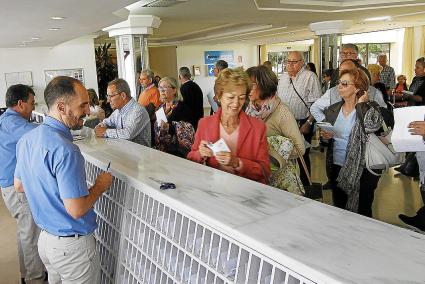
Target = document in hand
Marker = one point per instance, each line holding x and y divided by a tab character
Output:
326	126
401	138
219	146
160	116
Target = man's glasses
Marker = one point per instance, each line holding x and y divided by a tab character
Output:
348	54
113	95
345	84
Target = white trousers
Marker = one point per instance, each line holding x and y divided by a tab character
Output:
71	259
31	267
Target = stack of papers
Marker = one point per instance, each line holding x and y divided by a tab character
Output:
401	138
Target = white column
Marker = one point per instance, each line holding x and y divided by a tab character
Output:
131	37
330	38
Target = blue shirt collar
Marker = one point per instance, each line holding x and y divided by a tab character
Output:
11	111
127	107
56	124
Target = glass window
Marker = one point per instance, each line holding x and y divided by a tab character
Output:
368	52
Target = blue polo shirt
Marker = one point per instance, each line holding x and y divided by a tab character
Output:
12	127
51	169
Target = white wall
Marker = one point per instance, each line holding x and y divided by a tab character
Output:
194	55
78	53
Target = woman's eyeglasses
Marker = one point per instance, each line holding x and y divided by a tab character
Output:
345	84
163	89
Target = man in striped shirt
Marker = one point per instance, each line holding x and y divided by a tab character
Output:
299	89
387	73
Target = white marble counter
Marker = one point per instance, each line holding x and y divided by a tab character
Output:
327	244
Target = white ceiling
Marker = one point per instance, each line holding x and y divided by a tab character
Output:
21	20
200	21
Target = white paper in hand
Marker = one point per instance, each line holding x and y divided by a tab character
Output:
160	116
401	138
326	126
219	146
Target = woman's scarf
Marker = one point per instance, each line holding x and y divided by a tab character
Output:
351	172
264	111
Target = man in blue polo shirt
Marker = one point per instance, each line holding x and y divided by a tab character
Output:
50	168
13	124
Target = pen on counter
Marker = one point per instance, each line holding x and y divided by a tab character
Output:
107	168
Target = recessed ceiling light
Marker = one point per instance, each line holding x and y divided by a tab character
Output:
22	45
35	38
57	18
384	18
54	29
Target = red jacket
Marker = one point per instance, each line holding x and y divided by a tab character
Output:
252	147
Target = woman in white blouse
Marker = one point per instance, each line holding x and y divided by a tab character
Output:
95	109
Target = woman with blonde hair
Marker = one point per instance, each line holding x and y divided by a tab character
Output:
244	136
375	76
174	136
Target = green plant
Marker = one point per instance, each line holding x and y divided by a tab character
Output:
106	70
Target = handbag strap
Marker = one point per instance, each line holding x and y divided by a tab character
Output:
264	173
293	86
304	166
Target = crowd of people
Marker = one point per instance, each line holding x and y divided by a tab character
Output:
265	125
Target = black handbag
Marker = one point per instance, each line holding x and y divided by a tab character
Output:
313	190
410	167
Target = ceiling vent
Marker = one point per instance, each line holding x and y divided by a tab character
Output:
163	3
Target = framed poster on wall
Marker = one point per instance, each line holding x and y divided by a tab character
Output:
14	78
77	73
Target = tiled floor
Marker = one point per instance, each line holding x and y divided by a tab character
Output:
394	195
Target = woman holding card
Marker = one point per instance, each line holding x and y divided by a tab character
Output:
173	127
353	186
285	140
244	136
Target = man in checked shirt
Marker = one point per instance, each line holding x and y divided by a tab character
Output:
129	121
299	89
387	73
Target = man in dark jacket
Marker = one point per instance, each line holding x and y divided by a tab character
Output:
192	94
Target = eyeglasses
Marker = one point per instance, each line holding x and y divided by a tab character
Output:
113	95
345	84
348	54
164	89
289	62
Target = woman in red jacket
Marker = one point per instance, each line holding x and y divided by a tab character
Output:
245	136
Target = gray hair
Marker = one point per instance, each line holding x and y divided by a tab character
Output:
122	86
221	65
351	46
382	55
300	54
148	73
173	84
184	72
170	80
